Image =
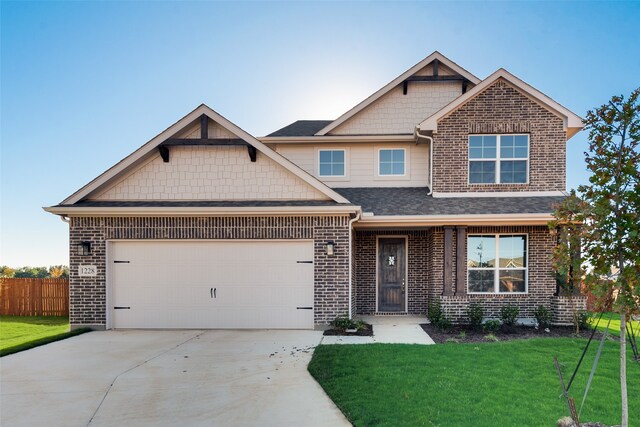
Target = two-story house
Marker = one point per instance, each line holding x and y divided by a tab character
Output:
438	187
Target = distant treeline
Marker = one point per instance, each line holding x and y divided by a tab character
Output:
54	271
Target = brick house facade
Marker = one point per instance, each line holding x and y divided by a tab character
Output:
382	202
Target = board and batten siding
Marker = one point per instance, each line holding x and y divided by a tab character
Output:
362	163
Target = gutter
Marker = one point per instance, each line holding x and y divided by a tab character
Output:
418	135
439	220
356	218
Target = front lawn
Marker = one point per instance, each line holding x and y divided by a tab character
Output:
18	333
614	327
494	384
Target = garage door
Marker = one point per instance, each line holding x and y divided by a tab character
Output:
205	284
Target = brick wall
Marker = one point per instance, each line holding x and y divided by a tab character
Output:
365	269
541	281
500	109
88	294
563	307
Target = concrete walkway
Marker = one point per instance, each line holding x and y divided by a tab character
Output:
167	378
388	330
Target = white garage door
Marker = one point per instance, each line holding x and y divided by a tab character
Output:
205	284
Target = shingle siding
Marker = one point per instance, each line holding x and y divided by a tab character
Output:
500	109
88	294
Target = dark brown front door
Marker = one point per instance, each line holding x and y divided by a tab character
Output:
391	273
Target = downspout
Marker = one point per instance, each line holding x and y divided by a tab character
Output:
430	138
357	217
64	219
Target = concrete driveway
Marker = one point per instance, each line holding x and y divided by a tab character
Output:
167	378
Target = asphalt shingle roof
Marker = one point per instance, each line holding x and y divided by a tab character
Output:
414	201
301	128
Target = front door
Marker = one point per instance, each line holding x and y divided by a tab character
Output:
392	267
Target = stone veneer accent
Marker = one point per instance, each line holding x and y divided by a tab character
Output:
88	294
500	106
365	269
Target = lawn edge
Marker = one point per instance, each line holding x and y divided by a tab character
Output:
42	341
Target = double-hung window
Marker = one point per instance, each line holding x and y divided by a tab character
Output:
497	263
498	159
331	163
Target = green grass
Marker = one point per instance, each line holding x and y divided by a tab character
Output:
614	327
512	383
19	333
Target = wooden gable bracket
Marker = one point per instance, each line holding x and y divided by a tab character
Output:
423	79
183	142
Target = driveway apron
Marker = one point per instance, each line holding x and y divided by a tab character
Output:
166	378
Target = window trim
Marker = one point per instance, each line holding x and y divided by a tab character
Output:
497	268
498	158
406	162
343	177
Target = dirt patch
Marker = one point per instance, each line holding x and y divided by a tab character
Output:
367	331
464	333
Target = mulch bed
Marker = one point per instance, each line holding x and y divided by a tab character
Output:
465	334
366	332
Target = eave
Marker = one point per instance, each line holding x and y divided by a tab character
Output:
335	138
71	211
373	221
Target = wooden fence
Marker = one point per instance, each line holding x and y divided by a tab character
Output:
34	297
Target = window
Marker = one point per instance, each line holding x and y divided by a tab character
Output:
497	263
501	159
391	162
331	163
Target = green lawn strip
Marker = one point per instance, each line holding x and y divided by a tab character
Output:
507	383
42	341
18	333
614	327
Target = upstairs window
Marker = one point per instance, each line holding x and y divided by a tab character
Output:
498	159
391	162
331	163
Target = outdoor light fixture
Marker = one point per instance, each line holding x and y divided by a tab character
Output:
330	248
84	248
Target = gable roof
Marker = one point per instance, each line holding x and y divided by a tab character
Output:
572	122
143	152
395	82
301	128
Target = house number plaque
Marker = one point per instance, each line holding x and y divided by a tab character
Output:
87	271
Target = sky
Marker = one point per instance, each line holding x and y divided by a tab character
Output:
83	84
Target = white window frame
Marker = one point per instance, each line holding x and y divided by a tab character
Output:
498	159
406	162
496	269
342	177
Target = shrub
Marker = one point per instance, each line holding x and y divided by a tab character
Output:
434	312
475	312
491	325
509	314
583	319
344	323
444	323
543	316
